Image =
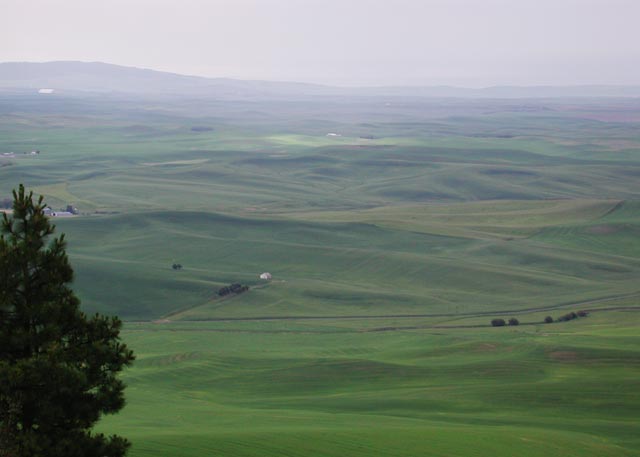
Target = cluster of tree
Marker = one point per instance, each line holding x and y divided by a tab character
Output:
566	317
58	366
234	288
177	266
501	322
547	320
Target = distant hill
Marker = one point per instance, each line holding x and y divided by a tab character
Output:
98	77
103	78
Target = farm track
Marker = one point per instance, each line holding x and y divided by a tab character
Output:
413	316
399	316
418	327
375	329
611	210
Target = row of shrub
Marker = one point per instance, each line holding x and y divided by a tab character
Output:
547	320
234	288
502	322
566	317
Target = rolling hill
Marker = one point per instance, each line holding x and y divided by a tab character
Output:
392	244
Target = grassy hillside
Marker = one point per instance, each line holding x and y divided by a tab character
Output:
352	268
299	388
277	157
392	245
419	208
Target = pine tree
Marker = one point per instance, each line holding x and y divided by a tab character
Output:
58	366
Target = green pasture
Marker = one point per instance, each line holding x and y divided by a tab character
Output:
300	388
110	156
392	246
343	268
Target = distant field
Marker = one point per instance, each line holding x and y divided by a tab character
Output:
392	246
347	268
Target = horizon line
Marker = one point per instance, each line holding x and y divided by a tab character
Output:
360	86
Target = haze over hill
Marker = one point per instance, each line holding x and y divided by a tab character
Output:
445	195
396	229
104	78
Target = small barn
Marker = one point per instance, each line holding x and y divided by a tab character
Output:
266	276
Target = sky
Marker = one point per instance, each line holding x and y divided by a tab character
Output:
469	43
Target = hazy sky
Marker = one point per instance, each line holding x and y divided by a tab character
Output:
348	42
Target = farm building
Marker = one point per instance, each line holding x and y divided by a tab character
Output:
266	276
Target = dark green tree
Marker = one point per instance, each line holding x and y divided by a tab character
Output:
58	366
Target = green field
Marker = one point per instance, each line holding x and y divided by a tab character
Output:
307	388
391	246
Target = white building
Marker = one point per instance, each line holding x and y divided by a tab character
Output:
266	276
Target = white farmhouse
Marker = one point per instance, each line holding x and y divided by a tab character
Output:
266	276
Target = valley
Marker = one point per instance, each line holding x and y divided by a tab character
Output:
392	245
